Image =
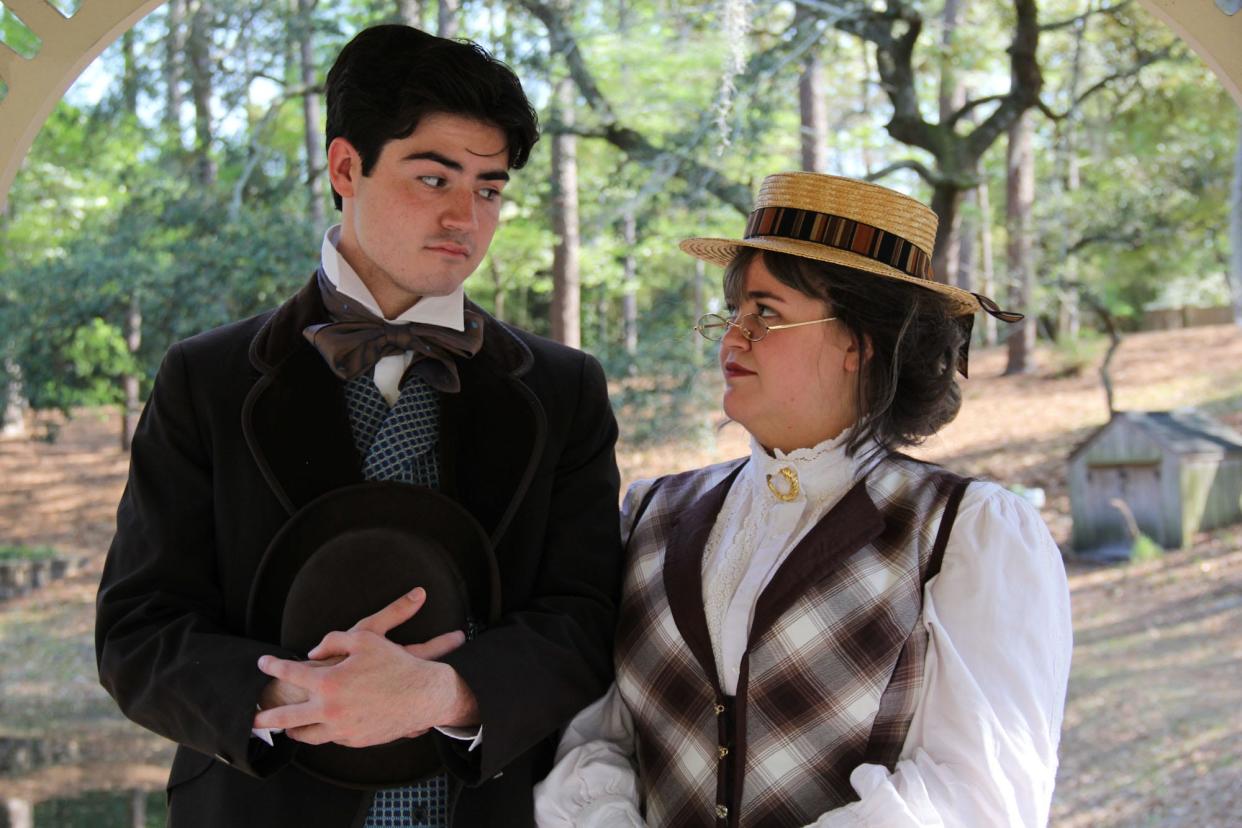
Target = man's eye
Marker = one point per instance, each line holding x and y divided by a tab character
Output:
489	193
433	181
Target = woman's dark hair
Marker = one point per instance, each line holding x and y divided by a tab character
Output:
907	388
388	78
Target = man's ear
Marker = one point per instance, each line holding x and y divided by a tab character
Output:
344	167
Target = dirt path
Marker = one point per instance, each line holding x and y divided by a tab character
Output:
1153	729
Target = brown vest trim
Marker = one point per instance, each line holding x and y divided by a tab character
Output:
683	574
946	526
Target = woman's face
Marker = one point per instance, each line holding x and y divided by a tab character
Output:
796	387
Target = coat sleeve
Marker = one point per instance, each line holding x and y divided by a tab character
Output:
163	648
552	656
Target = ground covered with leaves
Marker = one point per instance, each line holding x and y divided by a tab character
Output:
1154	718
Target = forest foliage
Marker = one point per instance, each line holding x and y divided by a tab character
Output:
173	189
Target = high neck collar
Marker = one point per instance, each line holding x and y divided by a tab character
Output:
823	472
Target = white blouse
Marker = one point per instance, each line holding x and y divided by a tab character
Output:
982	746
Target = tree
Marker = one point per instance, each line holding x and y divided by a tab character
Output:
1235	230
1020	194
566	278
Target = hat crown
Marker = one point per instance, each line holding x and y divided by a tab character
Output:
855	200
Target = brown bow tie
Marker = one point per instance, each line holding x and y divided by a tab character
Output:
356	339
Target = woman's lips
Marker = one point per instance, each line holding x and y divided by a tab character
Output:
733	370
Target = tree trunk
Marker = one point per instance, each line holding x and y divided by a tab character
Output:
1235	231
199	50
498	290
132	382
410	12
312	131
968	235
173	56
700	301
814	111
138	808
1020	194
447	23
629	302
946	198
14	424
129	76
566	280
987	261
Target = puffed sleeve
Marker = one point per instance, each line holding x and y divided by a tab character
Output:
594	782
982	746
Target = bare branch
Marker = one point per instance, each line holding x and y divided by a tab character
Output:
908	164
1084	17
632	143
969	106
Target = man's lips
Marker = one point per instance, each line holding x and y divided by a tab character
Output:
450	249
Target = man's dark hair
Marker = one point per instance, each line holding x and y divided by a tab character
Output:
907	388
388	78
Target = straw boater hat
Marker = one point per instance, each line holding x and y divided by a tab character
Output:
845	222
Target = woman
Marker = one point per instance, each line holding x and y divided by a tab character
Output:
827	632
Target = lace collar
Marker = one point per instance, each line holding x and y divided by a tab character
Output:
811	475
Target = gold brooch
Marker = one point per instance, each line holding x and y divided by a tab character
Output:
791	478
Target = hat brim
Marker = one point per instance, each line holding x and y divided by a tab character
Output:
347	555
721	252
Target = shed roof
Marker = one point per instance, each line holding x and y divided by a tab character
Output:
1182	430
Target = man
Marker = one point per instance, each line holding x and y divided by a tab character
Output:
248	423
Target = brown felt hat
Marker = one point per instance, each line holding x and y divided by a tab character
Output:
349	554
846	222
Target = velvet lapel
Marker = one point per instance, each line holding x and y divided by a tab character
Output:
683	573
851	524
492	432
294	418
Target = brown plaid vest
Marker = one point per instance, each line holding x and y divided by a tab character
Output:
833	664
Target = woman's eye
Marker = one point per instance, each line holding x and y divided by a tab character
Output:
764	311
433	181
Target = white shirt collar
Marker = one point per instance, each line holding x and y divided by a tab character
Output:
824	471
446	311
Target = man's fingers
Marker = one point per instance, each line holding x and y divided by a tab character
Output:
315	734
294	672
333	649
289	717
395	614
439	646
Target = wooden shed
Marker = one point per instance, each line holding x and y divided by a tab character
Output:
1178	472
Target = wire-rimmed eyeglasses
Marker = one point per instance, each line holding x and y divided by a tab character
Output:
713	326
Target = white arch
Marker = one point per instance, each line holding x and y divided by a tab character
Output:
70	44
36	85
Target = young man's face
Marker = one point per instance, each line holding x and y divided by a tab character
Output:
421	221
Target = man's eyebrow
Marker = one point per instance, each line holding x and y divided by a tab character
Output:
432	155
445	161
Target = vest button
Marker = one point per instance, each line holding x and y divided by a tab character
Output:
722	812
719	708
723	751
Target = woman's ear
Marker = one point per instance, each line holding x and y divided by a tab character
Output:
858	353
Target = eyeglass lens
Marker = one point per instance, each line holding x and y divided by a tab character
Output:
714	327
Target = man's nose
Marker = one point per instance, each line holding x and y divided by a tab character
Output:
459	210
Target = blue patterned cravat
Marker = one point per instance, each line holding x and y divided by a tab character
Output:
399	443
